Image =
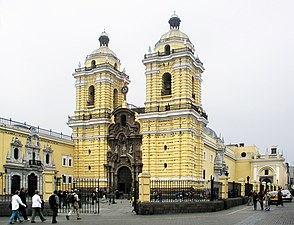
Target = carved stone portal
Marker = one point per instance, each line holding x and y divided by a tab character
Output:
124	158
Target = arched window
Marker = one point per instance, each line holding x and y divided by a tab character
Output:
167	49
193	87
91	97
15	153
115	98
115	66
123	120
93	64
166	84
47	158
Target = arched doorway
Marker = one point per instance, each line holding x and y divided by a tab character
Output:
124	179
32	184
15	183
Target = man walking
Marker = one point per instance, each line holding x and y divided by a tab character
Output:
22	209
54	203
36	207
74	204
15	202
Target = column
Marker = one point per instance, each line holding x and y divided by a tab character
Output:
225	186
242	182
144	187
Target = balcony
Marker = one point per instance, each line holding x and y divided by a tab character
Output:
35	163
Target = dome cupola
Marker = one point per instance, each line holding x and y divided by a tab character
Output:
174	21
104	39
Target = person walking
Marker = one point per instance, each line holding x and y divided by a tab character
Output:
260	199
280	199
250	198
54	205
15	202
74	204
255	199
266	200
22	209
36	207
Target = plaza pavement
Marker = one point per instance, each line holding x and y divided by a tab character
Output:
121	214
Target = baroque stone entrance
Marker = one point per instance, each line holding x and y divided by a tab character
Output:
124	158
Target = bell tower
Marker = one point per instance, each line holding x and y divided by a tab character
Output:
174	118
98	92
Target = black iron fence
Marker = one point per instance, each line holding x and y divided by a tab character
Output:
248	188
234	190
183	190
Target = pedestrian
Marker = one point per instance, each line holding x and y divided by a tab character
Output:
54	205
22	209
249	198
266	200
255	199
74	204
160	195
280	199
36	207
260	199
15	202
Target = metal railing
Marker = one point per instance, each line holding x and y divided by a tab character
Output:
39	130
234	189
182	190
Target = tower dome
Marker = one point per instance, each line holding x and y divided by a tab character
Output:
103	54
174	37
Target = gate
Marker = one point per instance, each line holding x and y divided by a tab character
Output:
248	188
88	191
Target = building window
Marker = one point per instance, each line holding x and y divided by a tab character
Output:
243	154
115	98
64	160
63	179
167	49
34	156
165	147
93	64
274	151
193	88
15	153
91	97
265	172
211	158
165	165
47	159
204	155
203	174
69	180
69	161
123	120
166	84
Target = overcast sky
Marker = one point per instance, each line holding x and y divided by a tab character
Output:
247	48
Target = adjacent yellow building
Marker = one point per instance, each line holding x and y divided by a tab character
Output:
114	141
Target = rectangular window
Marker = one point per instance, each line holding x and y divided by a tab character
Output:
69	161
64	160
211	158
203	174
69	180
265	172
63	179
204	155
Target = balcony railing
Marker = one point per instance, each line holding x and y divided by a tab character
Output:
86	117
35	163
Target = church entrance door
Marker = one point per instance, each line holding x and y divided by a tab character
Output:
124	180
32	184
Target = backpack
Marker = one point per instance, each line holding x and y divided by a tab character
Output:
72	199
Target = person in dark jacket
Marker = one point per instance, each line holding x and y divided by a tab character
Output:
22	209
260	199
54	204
255	199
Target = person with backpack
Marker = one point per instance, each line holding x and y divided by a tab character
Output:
54	203
74	204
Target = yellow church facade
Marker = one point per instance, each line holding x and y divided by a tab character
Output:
113	141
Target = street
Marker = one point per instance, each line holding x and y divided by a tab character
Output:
121	213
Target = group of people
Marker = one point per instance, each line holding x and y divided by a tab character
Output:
263	198
18	205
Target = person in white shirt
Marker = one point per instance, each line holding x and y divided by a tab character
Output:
15	201
36	207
